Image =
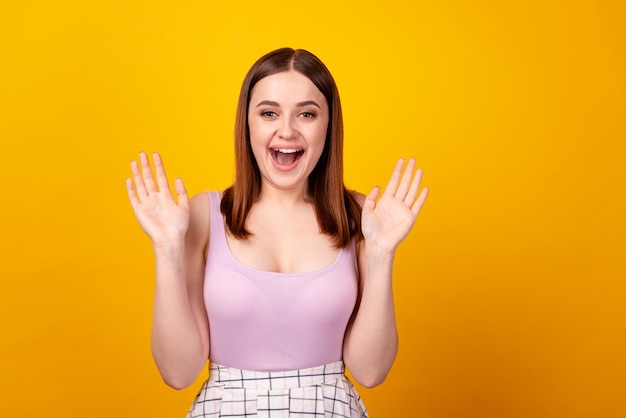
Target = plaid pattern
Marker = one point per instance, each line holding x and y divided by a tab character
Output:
322	392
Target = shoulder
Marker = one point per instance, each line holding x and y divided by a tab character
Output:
199	206
360	197
199	219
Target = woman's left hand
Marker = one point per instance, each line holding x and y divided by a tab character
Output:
387	222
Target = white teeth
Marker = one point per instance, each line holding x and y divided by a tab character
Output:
286	151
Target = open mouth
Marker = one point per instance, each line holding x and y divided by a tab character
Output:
286	156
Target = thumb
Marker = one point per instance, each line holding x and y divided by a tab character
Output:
181	193
370	199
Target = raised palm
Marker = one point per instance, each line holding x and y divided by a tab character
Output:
387	222
162	217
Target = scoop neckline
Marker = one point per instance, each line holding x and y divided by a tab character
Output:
245	266
278	273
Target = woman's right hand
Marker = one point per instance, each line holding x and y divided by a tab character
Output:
162	217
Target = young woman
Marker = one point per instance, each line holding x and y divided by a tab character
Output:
285	276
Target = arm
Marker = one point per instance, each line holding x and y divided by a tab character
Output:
371	341
178	230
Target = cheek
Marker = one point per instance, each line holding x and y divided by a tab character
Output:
258	150
256	144
252	129
320	135
318	144
257	135
261	132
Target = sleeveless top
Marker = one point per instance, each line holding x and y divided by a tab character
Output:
268	321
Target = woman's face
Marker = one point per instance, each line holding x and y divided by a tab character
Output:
288	119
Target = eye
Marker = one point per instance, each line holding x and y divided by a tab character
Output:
307	114
268	113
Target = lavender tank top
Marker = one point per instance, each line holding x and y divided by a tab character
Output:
268	321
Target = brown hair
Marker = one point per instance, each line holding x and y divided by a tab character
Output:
338	212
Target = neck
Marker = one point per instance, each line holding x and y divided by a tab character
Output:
284	197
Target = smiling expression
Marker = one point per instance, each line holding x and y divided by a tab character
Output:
288	120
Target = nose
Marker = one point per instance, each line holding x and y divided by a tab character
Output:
287	128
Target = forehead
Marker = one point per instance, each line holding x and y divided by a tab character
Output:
286	87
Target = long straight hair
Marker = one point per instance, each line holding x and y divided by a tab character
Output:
338	211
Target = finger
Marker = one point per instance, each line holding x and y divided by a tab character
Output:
370	199
394	180
417	206
146	172
181	193
160	175
405	182
415	184
139	184
132	196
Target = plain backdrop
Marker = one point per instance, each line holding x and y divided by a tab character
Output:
510	291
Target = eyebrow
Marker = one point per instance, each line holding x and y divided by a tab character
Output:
301	104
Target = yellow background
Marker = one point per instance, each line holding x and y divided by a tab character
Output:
511	289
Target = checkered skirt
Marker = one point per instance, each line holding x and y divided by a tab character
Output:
323	392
